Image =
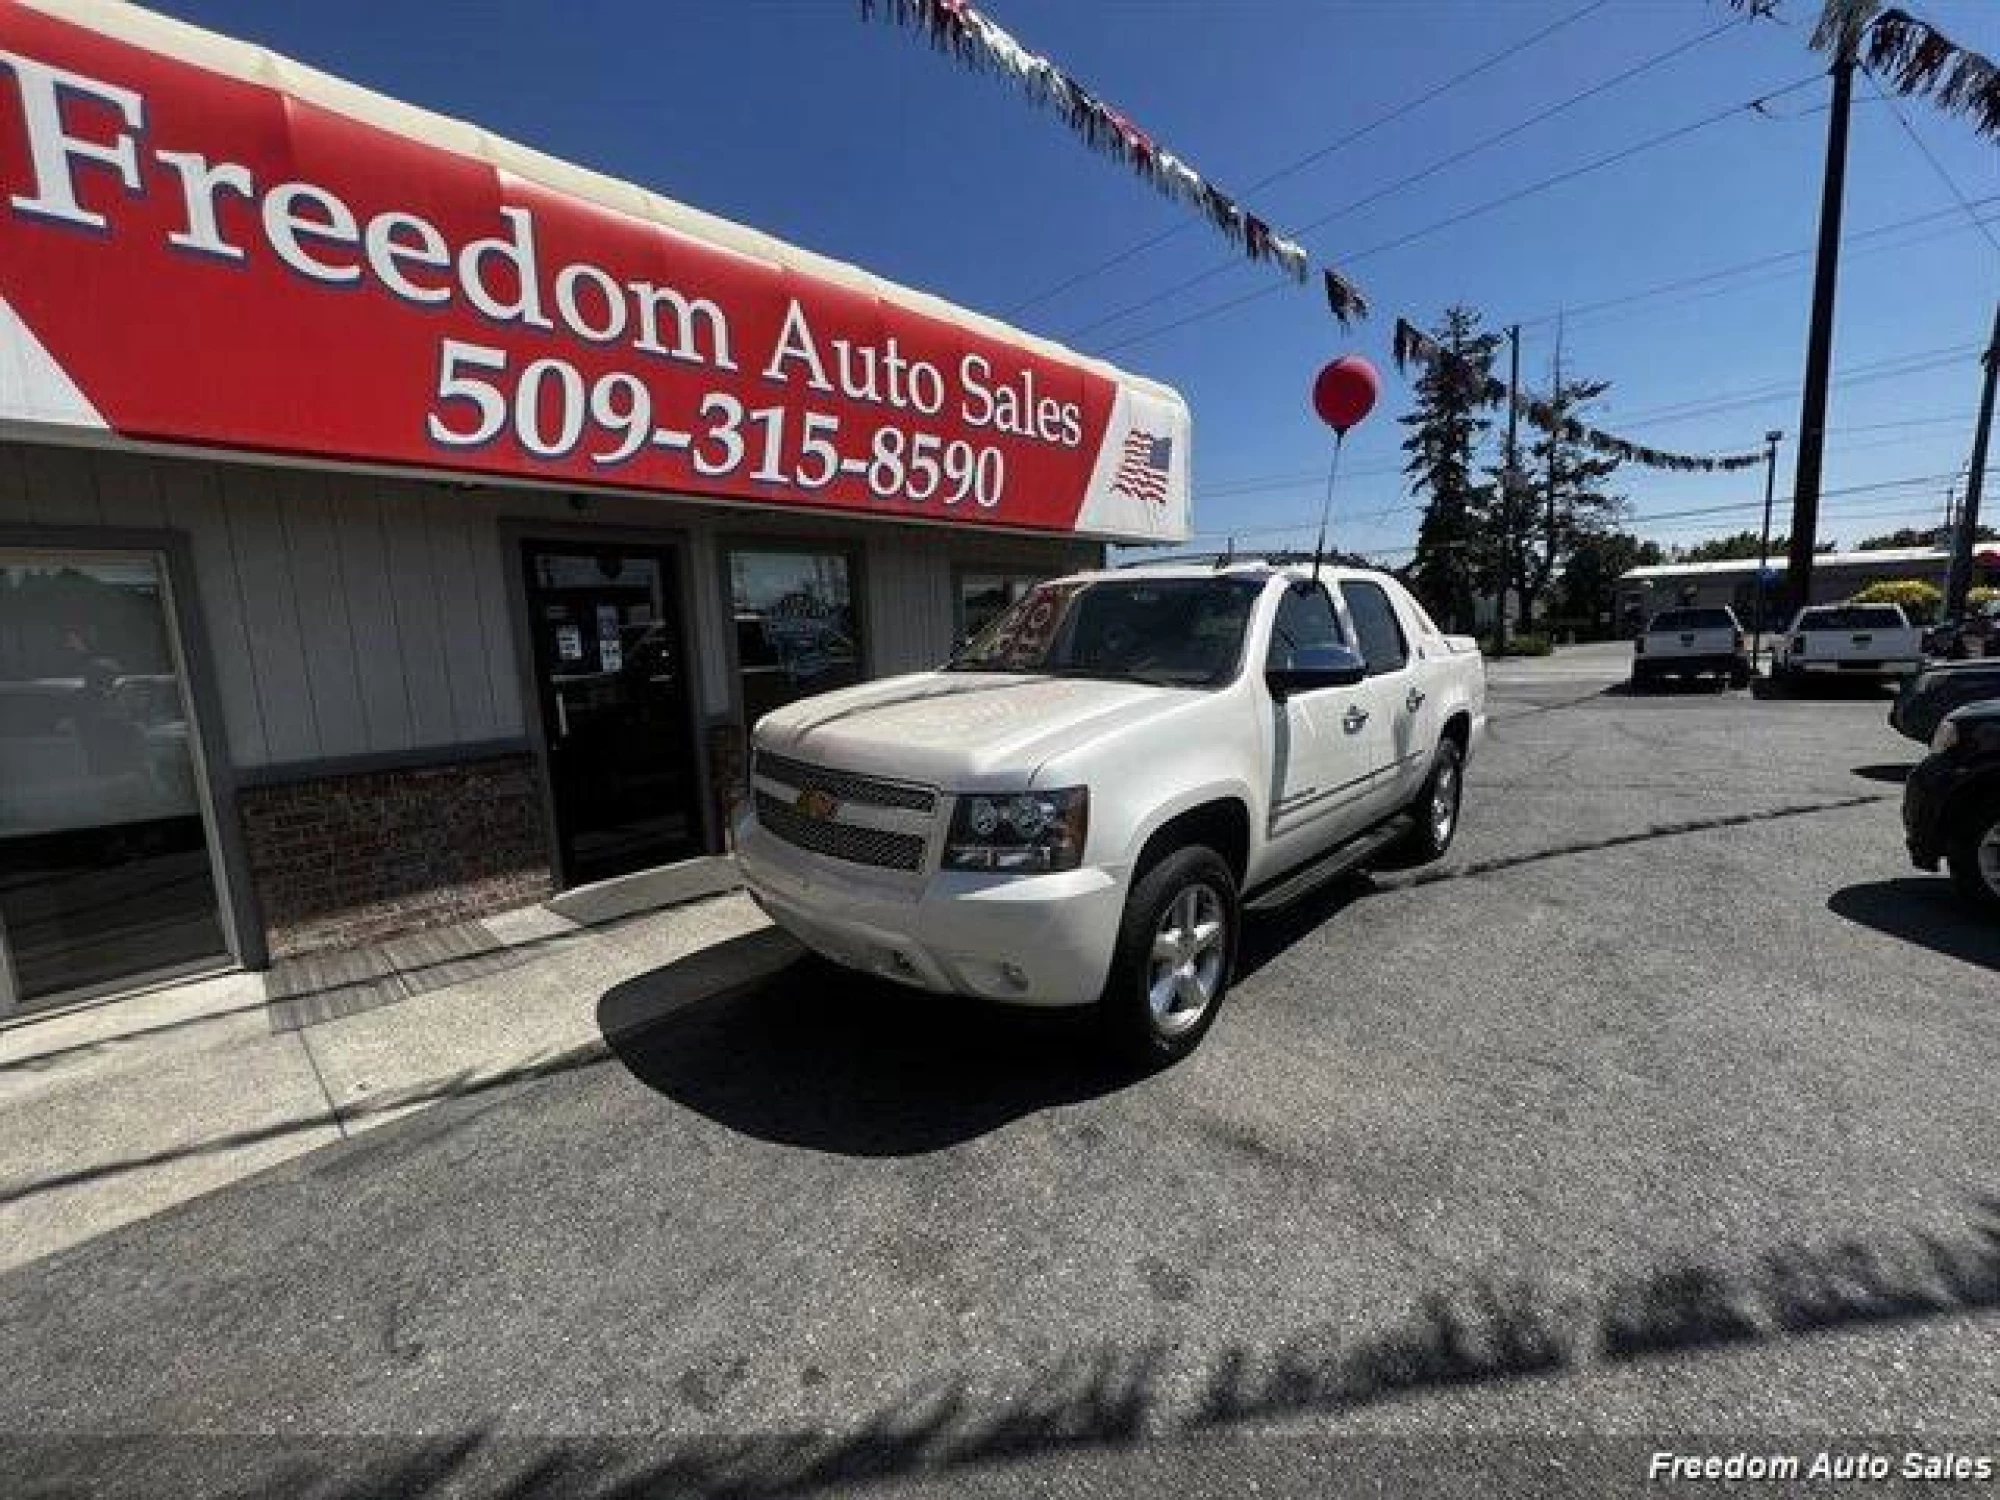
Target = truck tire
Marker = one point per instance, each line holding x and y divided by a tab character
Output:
1435	809
1175	955
1974	856
1642	679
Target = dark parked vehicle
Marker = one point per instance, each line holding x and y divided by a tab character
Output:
1937	690
1951	804
1975	636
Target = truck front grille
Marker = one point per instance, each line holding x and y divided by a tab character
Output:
862	846
847	786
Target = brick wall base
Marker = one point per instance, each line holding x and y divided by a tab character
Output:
352	859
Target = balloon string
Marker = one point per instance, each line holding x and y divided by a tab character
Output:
1326	508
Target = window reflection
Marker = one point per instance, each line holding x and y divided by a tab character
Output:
104	866
984	597
795	626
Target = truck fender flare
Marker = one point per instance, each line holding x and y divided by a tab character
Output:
1226	798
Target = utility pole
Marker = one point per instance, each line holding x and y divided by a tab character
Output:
1771	441
1555	452
1964	538
1819	342
1509	476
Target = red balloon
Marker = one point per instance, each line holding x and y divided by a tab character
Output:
1345	392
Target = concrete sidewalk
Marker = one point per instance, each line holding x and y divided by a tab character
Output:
116	1112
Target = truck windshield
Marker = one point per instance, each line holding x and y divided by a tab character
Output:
1169	632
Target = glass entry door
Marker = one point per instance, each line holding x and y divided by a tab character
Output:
612	672
105	869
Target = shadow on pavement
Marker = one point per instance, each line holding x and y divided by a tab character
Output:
814	1056
1895	775
1674	687
1825	685
1108	1402
1924	910
1268	934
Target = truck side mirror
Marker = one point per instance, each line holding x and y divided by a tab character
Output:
1311	668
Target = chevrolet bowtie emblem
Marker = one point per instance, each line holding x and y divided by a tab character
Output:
816	804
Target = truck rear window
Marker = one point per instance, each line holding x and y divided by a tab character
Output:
1852	617
1692	619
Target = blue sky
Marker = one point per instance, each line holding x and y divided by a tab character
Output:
858	141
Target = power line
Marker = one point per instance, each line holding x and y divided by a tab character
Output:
1859	375
1624	154
1247	484
1298	479
1950	182
1311	479
1914	481
1321	152
1762	262
1478	210
1520	127
1938	421
1252	484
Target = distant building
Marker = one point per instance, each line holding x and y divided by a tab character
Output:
1836	575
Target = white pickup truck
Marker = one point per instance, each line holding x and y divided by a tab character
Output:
1849	640
1693	641
1078	809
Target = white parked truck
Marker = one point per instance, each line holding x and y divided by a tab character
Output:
1693	641
1078	809
1849	640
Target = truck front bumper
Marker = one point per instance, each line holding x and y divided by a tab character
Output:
1042	940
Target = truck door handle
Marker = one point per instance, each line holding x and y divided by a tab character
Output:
1355	717
1415	701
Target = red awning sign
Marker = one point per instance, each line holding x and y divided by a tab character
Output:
192	255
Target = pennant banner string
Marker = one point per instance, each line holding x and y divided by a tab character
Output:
1414	346
957	27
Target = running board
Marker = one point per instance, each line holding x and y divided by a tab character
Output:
1331	865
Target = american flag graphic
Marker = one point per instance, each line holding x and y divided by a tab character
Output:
1144	466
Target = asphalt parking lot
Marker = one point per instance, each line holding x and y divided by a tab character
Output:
1665	1105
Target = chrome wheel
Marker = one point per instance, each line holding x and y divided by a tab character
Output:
1989	859
1190	951
1445	788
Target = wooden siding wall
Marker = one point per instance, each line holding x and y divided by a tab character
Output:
353	615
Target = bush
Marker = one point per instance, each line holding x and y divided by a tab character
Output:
1517	645
1921	601
1570	627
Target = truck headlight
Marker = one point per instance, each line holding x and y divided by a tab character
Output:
1025	832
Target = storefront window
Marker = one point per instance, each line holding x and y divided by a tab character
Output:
796	630
984	597
104	867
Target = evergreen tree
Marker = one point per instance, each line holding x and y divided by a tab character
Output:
1567	501
1447	426
1587	587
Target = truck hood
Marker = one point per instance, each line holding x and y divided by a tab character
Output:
961	730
